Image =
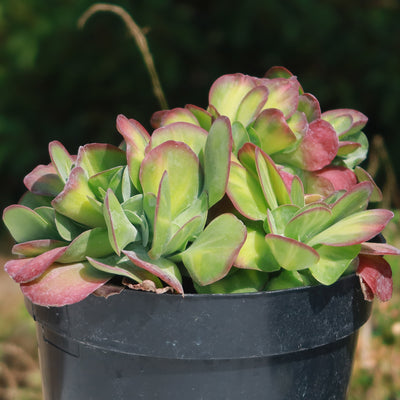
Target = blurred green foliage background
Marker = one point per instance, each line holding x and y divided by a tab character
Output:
58	82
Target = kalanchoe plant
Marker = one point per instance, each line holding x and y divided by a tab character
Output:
261	191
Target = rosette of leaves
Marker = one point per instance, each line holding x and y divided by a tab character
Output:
274	113
140	214
300	244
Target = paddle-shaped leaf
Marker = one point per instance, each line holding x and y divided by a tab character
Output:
289	279
240	136
27	269
67	228
165	269
120	230
317	149
241	281
251	105
25	224
194	136
136	138
279	218
108	179
308	223
310	106
345	121
93	243
228	91
97	157
123	266
291	254
61	159
182	166
353	201
203	117
34	248
375	276
283	94
186	233
212	254
273	186
354	229
167	117
357	156
330	179
217	155
74	201
162	219
246	194
297	191
379	249
273	132
62	285
255	255
364	176
44	181
333	262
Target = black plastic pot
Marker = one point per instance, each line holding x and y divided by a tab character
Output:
281	345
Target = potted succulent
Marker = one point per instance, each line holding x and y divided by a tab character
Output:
251	214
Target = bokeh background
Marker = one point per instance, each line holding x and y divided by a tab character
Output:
59	82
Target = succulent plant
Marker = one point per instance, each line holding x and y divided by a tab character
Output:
261	191
134	214
323	149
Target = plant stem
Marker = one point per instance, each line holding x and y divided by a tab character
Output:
140	39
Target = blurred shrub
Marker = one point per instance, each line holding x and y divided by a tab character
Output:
57	82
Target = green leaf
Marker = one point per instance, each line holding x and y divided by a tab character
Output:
101	182
92	243
281	217
61	159
228	91
120	230
333	262
137	139
240	136
297	192
182	166
76	201
246	194
352	202
212	254
287	280
203	116
255	254
273	132
308	223
360	154
364	176
273	186
97	157
25	224
162	219
354	229
194	136
67	228
291	254
122	266
217	155
32	201
188	232
239	281
251	105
